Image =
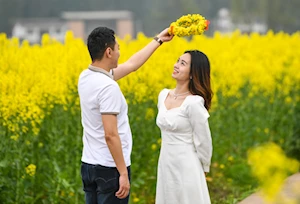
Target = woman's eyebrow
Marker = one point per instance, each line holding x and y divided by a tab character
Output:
184	61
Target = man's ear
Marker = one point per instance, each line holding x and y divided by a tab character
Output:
108	52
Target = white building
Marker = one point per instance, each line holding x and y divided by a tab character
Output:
224	24
81	23
32	29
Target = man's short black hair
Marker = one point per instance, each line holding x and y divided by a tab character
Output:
100	39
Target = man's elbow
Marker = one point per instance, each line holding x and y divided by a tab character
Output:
109	137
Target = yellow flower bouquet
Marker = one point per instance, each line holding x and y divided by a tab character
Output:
191	24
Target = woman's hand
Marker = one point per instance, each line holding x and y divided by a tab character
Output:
165	36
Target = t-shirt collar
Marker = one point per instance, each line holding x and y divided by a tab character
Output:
103	71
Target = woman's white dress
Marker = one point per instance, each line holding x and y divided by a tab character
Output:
185	154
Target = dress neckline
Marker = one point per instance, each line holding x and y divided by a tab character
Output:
174	107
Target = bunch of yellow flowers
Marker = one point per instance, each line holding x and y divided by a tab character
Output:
30	169
271	167
187	25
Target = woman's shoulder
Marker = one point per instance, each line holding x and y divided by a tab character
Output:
195	99
163	92
195	106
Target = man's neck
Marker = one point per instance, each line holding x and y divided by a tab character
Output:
101	65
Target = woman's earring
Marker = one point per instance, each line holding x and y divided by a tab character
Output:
191	77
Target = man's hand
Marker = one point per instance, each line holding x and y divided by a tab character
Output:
165	36
113	142
124	187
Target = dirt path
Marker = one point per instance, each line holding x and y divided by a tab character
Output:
291	190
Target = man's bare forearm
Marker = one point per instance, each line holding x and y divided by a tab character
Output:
115	148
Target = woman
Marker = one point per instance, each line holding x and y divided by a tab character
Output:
186	147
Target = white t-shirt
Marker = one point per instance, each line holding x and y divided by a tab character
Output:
100	94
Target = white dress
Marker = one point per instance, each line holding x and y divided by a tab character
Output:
185	154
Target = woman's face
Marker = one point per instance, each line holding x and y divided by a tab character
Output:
182	68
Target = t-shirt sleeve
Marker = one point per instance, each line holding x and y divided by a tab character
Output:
110	100
198	116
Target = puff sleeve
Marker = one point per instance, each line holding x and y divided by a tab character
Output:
198	116
161	97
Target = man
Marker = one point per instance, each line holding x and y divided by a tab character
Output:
107	139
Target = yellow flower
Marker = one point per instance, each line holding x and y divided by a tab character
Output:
219	174
266	130
229	180
30	169
149	114
136	199
62	194
153	147
24	129
270	166
288	100
222	166
230	158
187	25
14	137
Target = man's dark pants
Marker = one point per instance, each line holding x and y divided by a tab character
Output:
100	184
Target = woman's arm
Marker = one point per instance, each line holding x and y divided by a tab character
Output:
201	132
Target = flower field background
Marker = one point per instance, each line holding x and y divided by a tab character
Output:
256	84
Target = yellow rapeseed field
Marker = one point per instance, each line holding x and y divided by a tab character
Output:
34	79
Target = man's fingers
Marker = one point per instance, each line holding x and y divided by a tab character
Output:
124	187
122	194
118	192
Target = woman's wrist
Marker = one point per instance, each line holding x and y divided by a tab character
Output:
157	39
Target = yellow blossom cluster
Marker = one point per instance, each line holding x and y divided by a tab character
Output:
191	24
237	60
271	167
30	169
34	78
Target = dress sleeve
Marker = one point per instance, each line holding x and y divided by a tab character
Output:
198	116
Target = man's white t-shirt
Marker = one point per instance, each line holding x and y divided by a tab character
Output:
100	94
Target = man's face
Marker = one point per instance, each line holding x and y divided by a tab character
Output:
115	55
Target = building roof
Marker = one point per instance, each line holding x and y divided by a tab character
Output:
97	15
40	22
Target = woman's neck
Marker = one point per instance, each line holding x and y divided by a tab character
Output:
181	88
